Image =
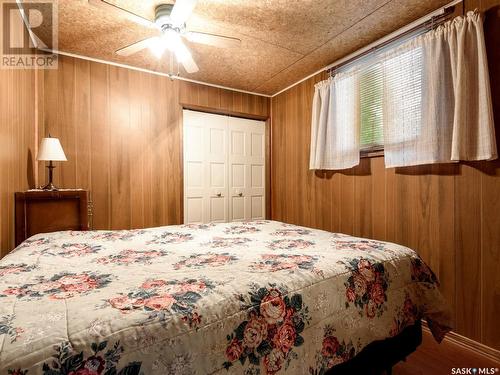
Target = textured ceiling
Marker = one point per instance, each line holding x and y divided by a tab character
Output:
283	41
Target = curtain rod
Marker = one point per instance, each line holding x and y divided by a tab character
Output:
431	23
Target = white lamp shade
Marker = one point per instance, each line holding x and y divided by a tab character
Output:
51	149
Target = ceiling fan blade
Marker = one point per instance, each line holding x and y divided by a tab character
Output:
190	65
213	39
182	10
183	56
136	47
121	12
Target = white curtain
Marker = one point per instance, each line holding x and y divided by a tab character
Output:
335	123
437	103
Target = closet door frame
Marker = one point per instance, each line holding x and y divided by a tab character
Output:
265	119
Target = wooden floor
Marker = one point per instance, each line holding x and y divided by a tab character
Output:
439	359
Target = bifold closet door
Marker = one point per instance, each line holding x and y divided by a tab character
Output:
205	168
247	161
224	168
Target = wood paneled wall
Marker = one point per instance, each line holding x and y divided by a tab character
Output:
217	100
17	144
450	214
18	119
121	130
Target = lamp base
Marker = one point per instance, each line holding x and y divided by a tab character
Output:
50	186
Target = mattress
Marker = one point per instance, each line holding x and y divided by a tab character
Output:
259	297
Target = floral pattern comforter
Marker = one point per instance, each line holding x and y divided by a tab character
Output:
259	297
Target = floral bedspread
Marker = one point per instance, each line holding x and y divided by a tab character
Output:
259	297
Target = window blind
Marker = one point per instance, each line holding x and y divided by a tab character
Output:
396	79
400	77
403	94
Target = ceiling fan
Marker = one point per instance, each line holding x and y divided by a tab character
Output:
170	21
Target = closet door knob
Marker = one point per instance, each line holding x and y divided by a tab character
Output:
219	194
240	194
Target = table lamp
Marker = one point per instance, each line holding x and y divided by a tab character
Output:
51	150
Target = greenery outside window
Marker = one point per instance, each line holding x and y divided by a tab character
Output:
371	97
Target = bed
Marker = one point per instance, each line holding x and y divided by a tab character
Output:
260	297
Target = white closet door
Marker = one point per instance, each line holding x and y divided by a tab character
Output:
224	168
247	176
205	168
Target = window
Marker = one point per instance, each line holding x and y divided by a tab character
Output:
402	77
411	97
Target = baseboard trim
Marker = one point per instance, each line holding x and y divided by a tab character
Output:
469	344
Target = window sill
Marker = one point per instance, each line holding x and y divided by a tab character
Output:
373	153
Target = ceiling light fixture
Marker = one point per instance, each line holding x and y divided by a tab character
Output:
170	20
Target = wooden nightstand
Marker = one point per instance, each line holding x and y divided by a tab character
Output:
39	211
